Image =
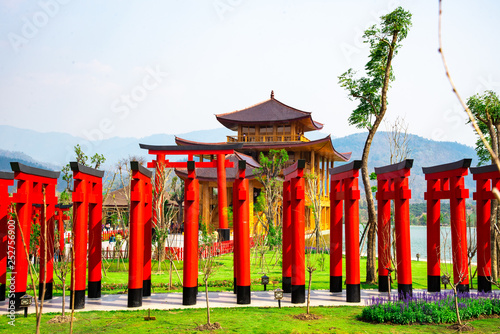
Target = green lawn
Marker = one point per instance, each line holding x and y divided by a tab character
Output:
222	280
237	320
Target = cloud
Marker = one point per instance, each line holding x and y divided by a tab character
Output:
95	66
11	4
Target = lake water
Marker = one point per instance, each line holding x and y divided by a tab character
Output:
418	235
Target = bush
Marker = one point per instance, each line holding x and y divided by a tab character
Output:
431	308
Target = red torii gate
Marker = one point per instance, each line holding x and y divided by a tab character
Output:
294	176
191	150
6	180
486	177
141	197
191	199
447	182
344	187
87	215
392	184
31	183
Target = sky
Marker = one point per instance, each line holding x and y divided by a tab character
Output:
99	69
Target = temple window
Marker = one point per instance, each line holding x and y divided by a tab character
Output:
266	130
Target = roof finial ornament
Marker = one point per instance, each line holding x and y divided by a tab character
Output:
272	95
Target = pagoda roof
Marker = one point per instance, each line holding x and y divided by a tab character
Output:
268	112
322	146
210	174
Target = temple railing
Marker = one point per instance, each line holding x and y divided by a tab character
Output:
266	138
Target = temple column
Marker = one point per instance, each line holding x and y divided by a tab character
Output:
222	194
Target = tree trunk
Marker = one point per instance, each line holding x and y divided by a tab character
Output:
309	290
456	305
170	276
64	296
372	216
494	209
208	307
493	237
318	235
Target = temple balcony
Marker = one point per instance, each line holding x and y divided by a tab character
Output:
266	138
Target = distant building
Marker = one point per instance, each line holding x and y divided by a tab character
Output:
269	125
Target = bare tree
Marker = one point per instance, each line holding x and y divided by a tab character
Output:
61	269
46	243
399	140
163	220
208	268
446	277
310	267
471	248
399	150
314	191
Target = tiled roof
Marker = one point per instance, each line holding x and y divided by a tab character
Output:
270	111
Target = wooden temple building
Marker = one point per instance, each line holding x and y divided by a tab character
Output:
268	125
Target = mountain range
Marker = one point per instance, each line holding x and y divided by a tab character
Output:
53	150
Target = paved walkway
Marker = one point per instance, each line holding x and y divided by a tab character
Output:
169	301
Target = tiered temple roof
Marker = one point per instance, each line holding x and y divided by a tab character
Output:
270	111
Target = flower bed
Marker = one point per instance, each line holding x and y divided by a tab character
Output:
431	308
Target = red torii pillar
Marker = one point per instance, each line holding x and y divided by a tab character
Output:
140	198
60	216
447	182
392	184
6	180
287	239
486	177
30	184
148	240
224	231
295	175
344	187
190	269
87	215
241	208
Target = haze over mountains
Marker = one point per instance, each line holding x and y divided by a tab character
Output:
53	150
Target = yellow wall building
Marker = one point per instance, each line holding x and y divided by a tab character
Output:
269	125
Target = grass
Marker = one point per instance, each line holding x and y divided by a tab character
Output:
238	320
222	280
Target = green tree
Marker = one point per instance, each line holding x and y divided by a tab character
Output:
371	92
486	110
95	162
272	186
